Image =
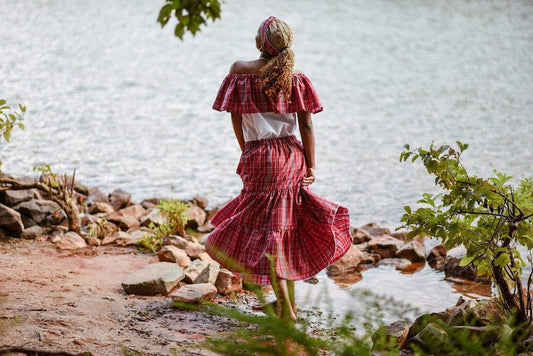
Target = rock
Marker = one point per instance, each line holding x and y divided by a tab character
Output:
204	256
424	319
398	263
385	246
369	258
394	334
194	271
70	241
32	233
88	219
175	240
196	216
14	197
171	253
359	235
436	257
109	239
451	267
375	230
432	338
349	278
127	218
487	335
200	202
100	207
193	293
27	222
96	195
194	249
119	199
414	251
127	239
4	235
401	235
93	241
43	212
10	220
205	228
156	278
153	217
227	282
209	274
347	264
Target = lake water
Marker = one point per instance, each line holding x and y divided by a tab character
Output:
127	105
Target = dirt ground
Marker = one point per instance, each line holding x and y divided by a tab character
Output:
54	301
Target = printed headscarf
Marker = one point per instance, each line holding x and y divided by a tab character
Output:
267	46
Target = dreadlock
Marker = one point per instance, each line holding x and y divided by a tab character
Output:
275	77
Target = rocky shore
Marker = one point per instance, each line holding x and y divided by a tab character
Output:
183	270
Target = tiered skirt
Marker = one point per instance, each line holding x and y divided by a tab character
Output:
274	215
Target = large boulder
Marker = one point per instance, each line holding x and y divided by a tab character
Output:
347	263
384	245
10	220
43	212
193	293
156	278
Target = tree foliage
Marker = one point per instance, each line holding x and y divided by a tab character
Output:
190	14
10	119
490	217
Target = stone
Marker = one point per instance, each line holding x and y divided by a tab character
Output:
88	219
119	199
395	334
452	267
43	212
127	218
93	241
385	246
347	263
196	216
359	235
375	230
96	195
70	241
127	239
194	249
194	293
175	240
432	338
28	222
32	233
424	319
194	271
349	278
400	235
200	201
204	256
413	251
154	217
14	197
437	251
369	258
100	207
398	263
155	278
205	228
171	253
487	335
109	239
227	282
10	220
209	274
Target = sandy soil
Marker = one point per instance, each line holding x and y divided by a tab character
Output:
72	301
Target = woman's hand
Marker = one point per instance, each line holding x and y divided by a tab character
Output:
309	177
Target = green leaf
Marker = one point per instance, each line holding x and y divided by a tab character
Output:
466	260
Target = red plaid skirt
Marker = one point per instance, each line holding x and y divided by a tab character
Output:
275	215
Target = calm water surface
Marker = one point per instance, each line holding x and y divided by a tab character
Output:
112	95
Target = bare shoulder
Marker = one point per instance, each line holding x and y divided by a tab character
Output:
246	67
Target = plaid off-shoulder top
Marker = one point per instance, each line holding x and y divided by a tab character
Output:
240	94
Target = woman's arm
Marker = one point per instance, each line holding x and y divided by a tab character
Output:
236	120
308	140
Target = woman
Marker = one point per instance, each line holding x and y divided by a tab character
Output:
276	214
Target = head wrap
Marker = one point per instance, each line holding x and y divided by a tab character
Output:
267	46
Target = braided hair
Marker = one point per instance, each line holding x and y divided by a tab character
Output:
275	77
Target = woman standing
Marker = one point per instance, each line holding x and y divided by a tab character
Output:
276	214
